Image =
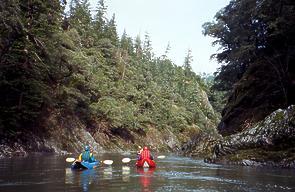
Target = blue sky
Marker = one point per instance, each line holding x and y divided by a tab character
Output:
178	22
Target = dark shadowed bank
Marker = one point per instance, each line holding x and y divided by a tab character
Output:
270	142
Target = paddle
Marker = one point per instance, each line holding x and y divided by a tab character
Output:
70	159
106	162
127	159
161	157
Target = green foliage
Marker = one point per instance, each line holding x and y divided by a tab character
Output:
27	62
217	98
256	39
86	70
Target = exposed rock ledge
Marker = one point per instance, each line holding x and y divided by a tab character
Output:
270	142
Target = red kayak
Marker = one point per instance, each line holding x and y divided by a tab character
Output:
145	163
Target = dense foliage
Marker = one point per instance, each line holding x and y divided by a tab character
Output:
257	39
217	98
77	65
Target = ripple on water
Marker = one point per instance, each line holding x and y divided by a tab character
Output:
196	176
23	183
183	189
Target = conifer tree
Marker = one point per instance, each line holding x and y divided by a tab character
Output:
111	31
28	33
81	19
147	47
100	20
138	47
187	63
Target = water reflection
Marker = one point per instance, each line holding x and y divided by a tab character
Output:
84	178
126	173
108	173
145	178
172	174
69	176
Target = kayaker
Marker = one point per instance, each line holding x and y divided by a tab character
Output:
145	154
139	150
87	155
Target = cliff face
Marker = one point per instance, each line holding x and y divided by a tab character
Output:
269	142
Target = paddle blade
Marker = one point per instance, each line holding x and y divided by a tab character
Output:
108	162
70	159
126	160
161	157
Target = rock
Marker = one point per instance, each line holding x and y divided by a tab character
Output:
270	142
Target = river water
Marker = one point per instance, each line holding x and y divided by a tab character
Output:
50	173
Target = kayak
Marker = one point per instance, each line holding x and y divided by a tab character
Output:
84	165
145	163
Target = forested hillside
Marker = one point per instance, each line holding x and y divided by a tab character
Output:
58	68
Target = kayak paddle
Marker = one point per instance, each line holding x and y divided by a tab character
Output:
127	160
106	162
70	159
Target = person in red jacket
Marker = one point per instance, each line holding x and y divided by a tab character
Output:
145	154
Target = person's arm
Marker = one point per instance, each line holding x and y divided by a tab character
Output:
92	157
151	157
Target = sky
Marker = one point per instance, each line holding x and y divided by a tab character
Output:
177	22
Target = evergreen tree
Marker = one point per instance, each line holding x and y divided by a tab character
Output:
100	20
255	38
28	38
147	47
80	19
111	31
126	43
138	47
187	64
165	56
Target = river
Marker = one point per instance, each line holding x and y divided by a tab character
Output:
50	173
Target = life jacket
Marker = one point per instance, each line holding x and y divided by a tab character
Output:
145	154
86	156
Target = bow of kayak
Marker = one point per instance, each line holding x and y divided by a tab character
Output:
145	163
84	165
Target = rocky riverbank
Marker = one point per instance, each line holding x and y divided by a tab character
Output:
271	142
67	134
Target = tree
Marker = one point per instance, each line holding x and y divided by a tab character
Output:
81	19
100	20
138	47
111	31
147	47
187	64
165	56
255	38
28	38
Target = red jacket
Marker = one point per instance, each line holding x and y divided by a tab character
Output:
145	154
